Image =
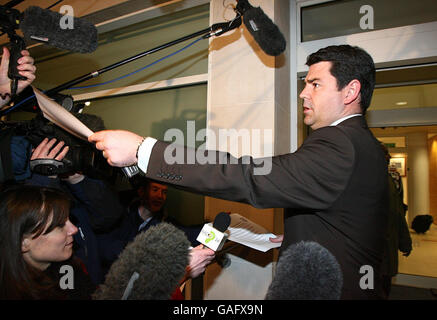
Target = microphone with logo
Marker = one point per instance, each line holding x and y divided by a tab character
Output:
149	268
261	27
214	236
306	271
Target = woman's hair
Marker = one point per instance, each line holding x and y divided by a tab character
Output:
27	211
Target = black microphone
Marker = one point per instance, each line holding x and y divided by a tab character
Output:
17	45
261	27
149	268
222	221
9	22
306	271
46	26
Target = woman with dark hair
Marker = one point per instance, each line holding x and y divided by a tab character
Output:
36	247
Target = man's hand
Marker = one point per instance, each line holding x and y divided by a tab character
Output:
278	239
119	147
45	150
406	253
200	258
25	68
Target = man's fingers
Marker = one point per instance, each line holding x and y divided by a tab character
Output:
97	136
278	239
25	57
62	154
100	146
36	152
5	60
45	151
43	148
30	76
55	150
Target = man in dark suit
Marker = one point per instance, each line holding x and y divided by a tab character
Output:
333	188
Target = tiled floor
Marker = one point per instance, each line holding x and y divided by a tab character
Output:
423	259
411	293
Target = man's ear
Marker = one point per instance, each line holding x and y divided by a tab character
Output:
352	91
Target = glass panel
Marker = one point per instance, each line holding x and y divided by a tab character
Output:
339	18
404	97
152	114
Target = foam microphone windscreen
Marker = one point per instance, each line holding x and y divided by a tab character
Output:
306	271
157	258
264	31
46	26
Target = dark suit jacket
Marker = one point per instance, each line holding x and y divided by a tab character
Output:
333	189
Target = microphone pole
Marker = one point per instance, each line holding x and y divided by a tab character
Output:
13	3
214	30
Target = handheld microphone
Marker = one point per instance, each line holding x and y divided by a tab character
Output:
17	45
261	27
306	271
9	22
149	268
46	26
213	236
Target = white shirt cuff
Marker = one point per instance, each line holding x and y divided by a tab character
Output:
144	152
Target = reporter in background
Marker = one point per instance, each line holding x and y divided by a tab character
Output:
36	240
147	209
26	68
398	236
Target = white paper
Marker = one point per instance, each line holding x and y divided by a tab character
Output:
250	234
55	113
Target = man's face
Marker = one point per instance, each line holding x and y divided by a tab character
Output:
322	101
154	196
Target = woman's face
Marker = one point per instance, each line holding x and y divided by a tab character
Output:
55	246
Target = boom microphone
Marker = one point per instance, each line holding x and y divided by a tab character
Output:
261	27
48	27
149	268
306	271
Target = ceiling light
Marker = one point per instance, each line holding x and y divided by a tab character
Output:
401	103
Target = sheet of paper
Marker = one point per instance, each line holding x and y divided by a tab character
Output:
250	234
55	113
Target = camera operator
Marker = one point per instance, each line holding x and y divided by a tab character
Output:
95	208
26	69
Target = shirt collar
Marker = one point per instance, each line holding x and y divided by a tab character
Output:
144	224
345	118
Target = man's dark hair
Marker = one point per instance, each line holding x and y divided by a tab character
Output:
349	63
138	181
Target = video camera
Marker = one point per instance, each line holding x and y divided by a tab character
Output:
17	139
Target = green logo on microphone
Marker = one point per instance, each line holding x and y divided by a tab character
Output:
211	237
